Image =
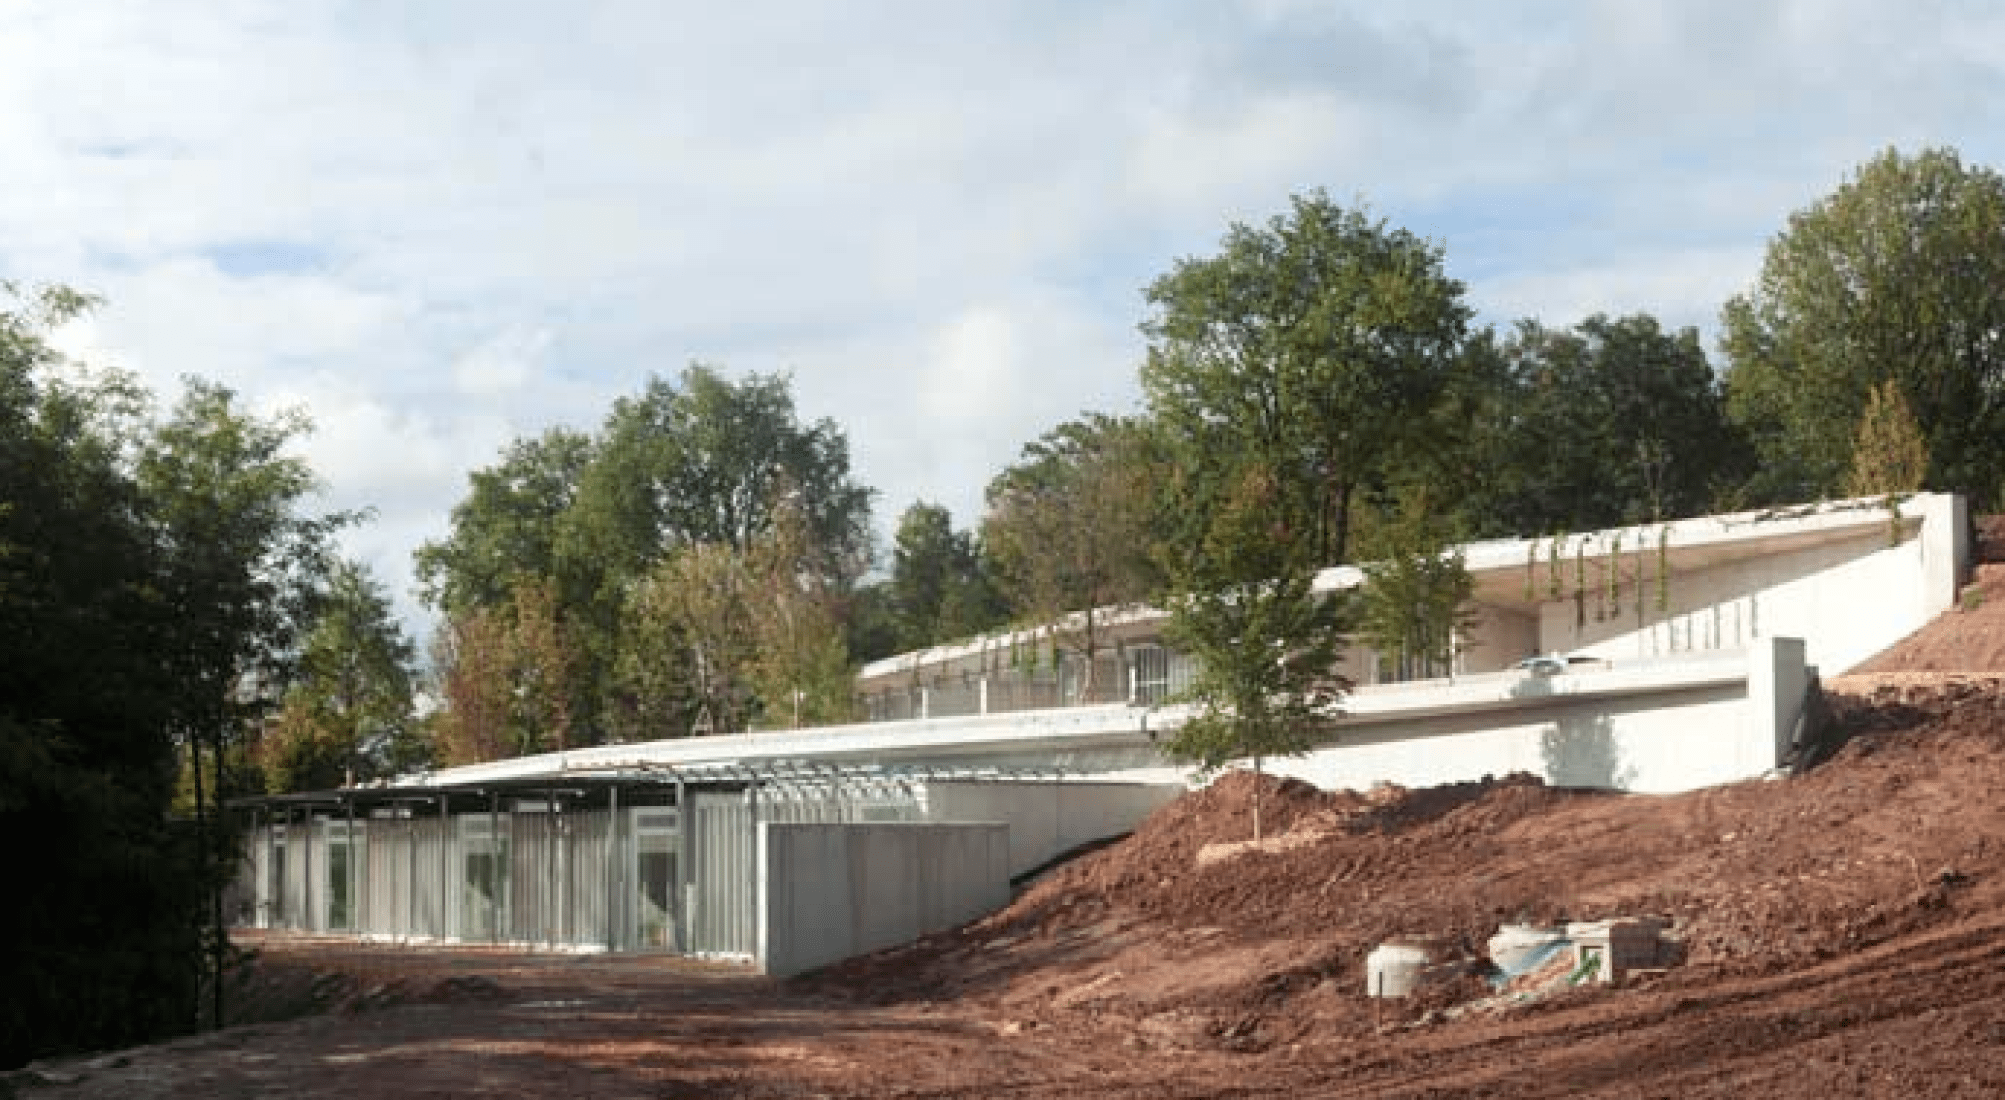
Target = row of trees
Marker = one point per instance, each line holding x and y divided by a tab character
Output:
164	592
689	568
1316	393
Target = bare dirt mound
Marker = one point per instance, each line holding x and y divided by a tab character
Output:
1899	834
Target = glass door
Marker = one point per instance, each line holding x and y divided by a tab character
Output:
657	845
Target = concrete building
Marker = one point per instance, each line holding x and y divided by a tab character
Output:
1657	658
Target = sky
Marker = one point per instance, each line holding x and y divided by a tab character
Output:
441	225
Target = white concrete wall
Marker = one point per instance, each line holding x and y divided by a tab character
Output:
1047	817
1500	639
1848	599
830	891
1673	733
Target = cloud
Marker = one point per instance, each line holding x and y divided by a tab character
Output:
503	364
445	225
1680	288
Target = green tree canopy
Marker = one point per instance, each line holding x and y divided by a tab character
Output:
586	523
1889	457
1415	606
347	716
1612	421
708	460
1072	528
1897	275
103	922
1266	648
940	587
154	576
507	527
1300	367
1316	347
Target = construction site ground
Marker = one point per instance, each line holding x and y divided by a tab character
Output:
1842	934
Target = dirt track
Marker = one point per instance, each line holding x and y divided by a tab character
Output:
1843	932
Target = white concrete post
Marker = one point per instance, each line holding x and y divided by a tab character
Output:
1945	549
925	702
983	690
1777	679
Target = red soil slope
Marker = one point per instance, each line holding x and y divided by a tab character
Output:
1968	640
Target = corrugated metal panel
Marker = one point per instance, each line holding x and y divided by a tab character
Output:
294	851
588	835
553	879
722	865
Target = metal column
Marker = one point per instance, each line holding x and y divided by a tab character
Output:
612	867
411	883
494	866
685	863
354	903
549	863
306	883
751	907
445	864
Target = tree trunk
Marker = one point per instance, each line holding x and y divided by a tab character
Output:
201	833
1340	542
225	862
1257	784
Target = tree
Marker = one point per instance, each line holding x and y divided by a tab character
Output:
1316	347
1612	421
707	460
1890	457
1299	367
1265	640
471	654
702	595
508	526
241	579
871	630
940	588
1415	607
800	671
1898	275
104	921
347	716
702	461
511	677
1072	529
717	639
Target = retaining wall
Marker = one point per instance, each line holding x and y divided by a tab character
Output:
831	891
1047	818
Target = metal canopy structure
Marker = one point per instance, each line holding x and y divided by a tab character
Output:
625	858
